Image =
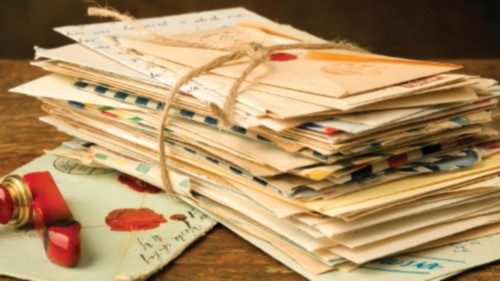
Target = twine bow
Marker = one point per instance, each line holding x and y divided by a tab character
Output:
256	52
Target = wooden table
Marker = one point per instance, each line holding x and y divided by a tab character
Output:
220	255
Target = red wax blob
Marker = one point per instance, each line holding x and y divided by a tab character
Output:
137	184
134	219
6	206
331	130
63	244
281	56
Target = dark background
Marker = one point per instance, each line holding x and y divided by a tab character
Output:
408	28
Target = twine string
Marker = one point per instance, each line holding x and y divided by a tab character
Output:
168	104
257	53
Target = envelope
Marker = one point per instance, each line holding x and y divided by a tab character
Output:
487	230
386	230
329	73
338	226
488	164
420	204
60	87
409	240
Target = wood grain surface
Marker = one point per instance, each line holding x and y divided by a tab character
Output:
220	255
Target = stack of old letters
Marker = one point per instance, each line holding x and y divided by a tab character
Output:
334	158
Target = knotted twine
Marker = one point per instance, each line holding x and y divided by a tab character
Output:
256	52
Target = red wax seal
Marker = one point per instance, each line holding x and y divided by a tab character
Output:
134	219
281	56
331	130
6	206
137	184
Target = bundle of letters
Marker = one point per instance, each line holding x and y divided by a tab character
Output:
338	163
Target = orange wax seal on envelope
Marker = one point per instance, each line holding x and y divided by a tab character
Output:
36	199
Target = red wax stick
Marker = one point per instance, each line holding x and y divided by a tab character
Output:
43	204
